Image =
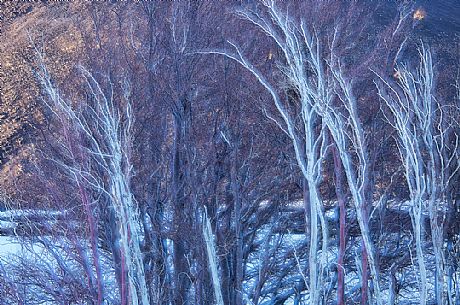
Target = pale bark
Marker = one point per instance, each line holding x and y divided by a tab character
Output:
341	198
309	144
346	129
212	258
109	144
429	161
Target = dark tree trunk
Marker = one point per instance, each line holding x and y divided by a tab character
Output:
181	211
238	230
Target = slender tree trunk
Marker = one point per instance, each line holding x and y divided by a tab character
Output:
341	198
315	290
370	257
93	232
393	283
364	255
212	259
437	214
180	218
92	222
419	238
226	262
367	203
238	230
437	237
449	251
364	275
306	203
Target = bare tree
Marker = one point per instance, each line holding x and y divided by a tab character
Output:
316	84
346	129
429	157
310	142
106	130
274	166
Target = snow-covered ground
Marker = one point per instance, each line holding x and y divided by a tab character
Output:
8	246
12	249
61	257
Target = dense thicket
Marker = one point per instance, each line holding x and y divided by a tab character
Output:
250	152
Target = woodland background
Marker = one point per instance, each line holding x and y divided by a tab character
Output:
240	152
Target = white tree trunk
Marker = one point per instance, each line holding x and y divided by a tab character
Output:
429	159
108	141
212	258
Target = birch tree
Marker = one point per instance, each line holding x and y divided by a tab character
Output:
429	157
347	131
105	128
309	137
212	258
316	83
